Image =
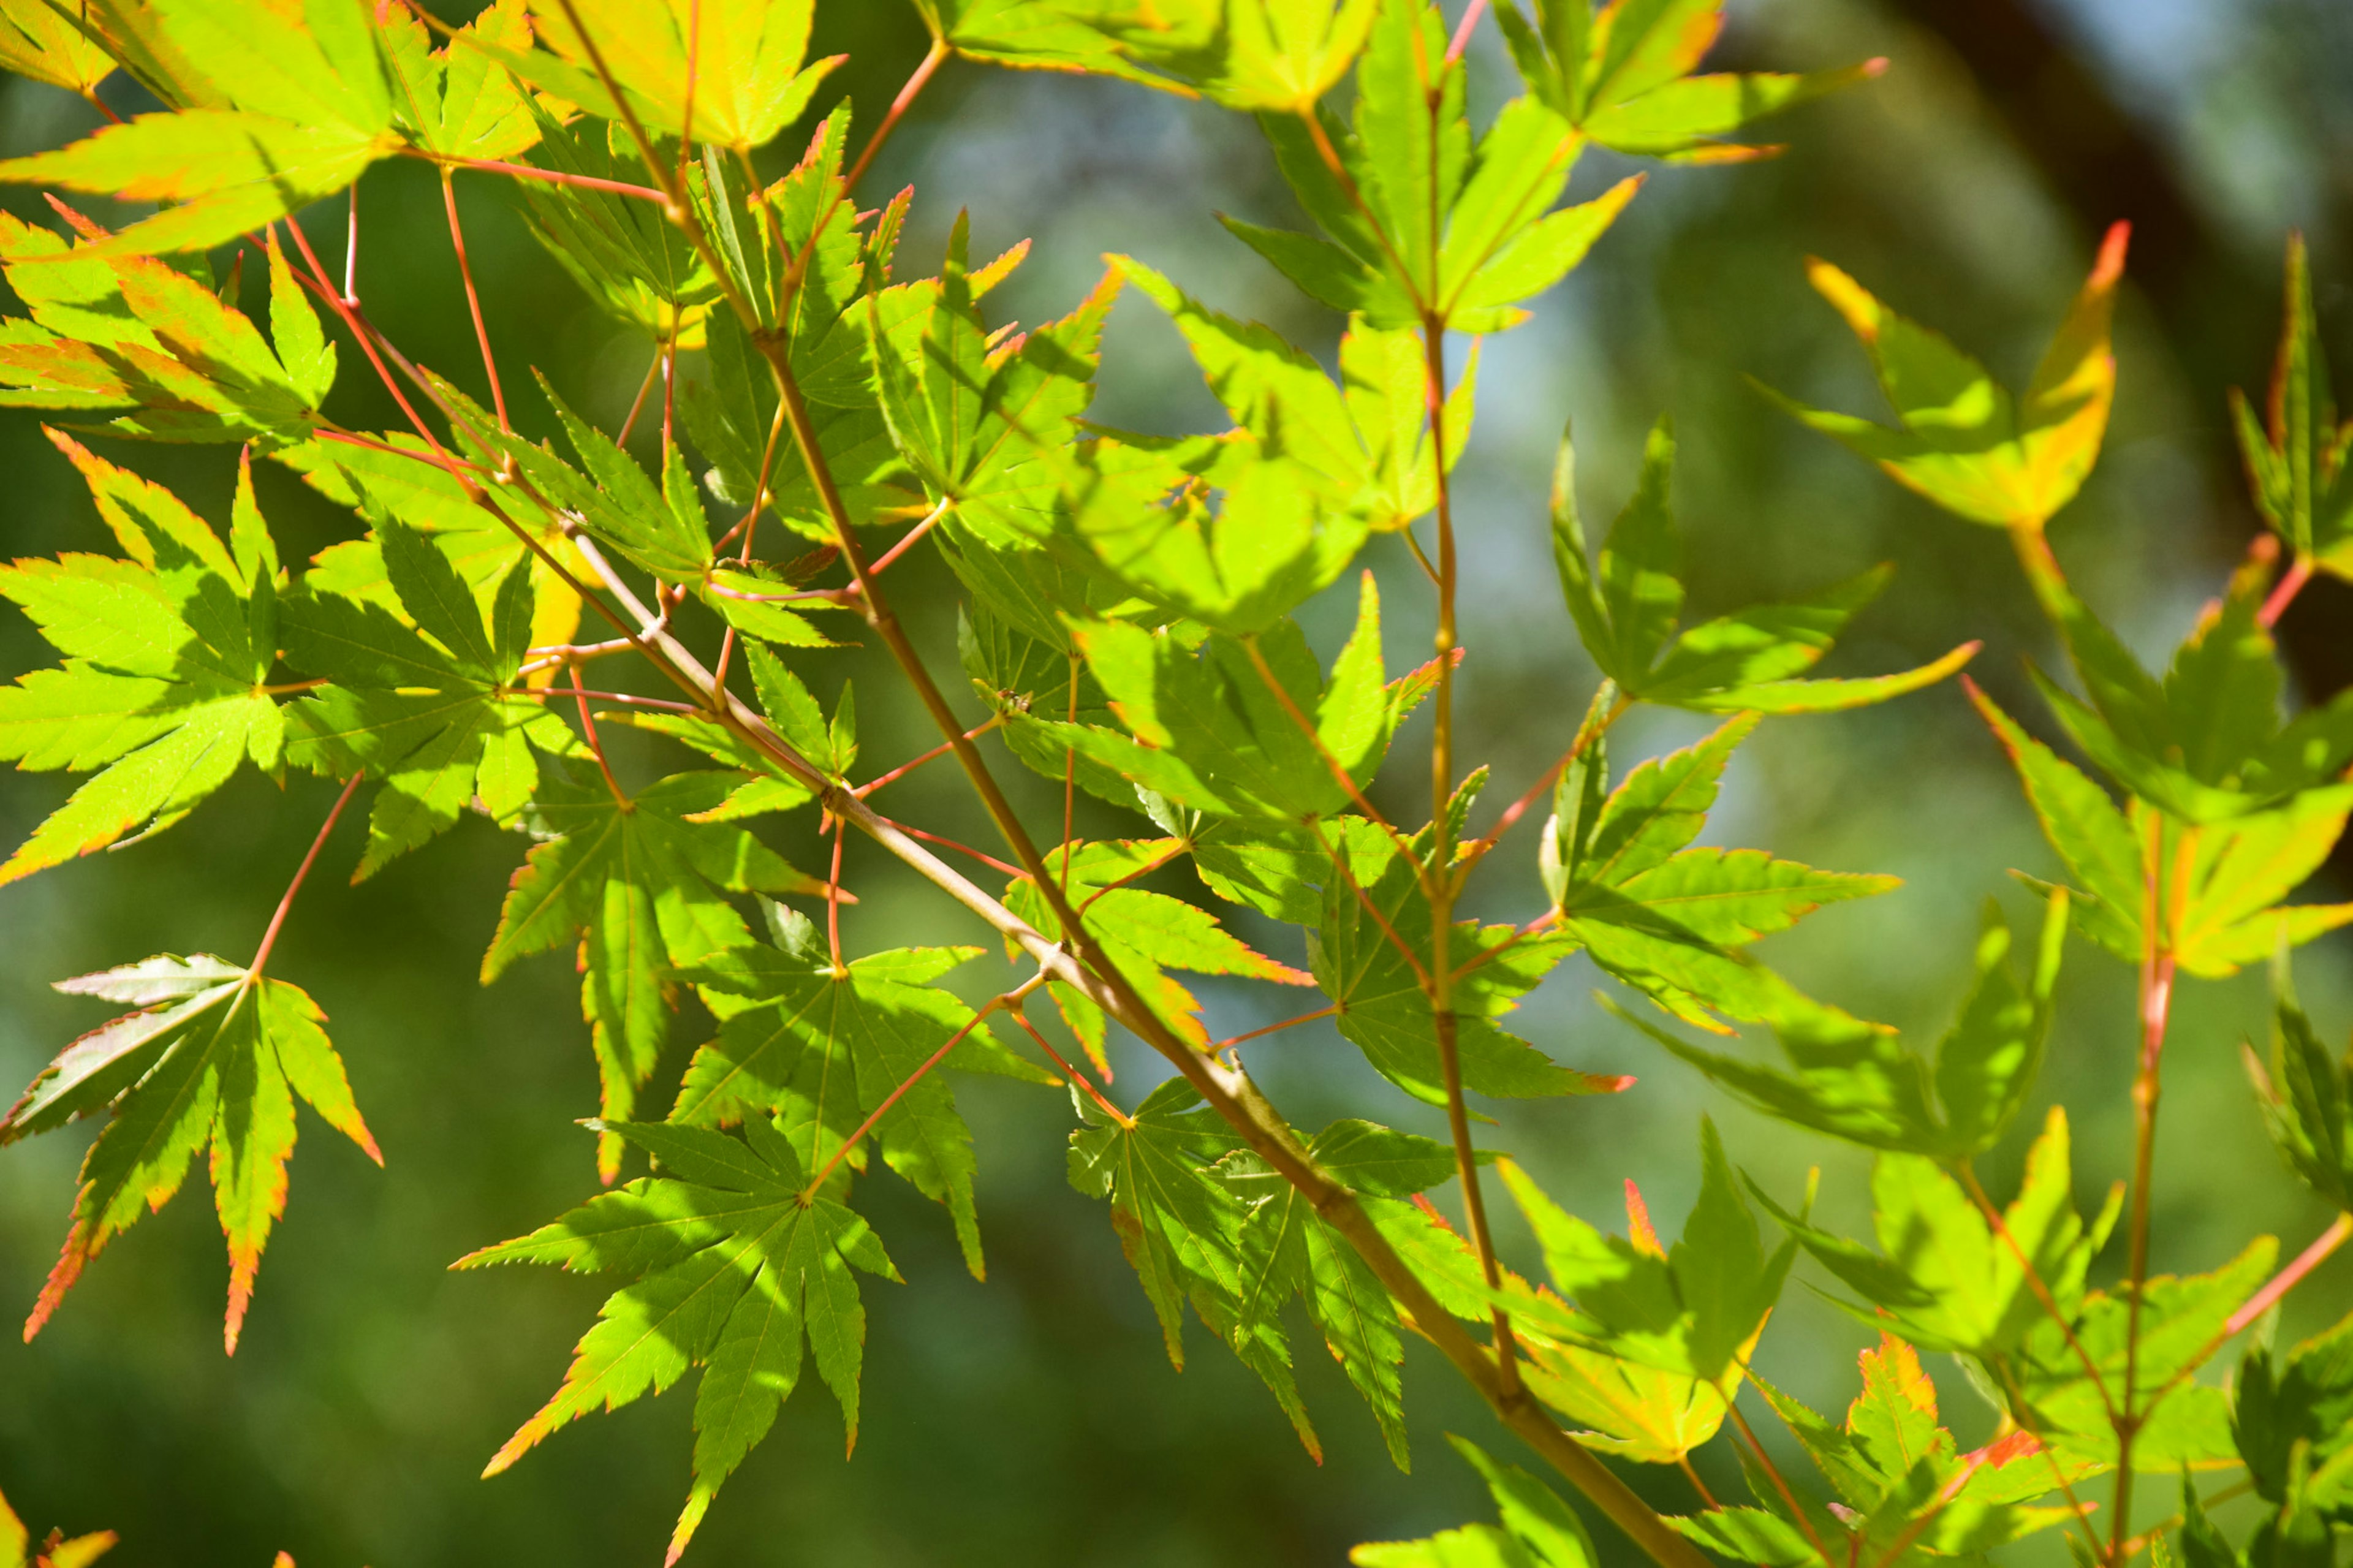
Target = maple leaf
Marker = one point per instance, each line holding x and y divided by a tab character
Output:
212	1060
456	101
641	886
736	1265
828	1047
432	710
166	657
1180	1225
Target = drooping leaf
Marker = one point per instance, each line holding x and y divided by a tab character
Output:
212	1060
17	1548
1180	1225
640	885
734	1267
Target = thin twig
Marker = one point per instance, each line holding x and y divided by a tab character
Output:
473	301
597	747
942	750
302	873
557	177
1276	1028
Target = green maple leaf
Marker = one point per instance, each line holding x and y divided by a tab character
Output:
433	710
1366	438
982	427
1180	1224
212	1060
1945	1278
2183	1320
642	886
128	333
39	41
1692	1308
734	1266
828	1047
1287	1249
1419	219
167	654
1864	1086
1035	34
1670	919
636	268
1623	75
1144	933
734	66
1908	1493
1628	602
1383	1009
1268	55
1207	730
2306	1099
2229	911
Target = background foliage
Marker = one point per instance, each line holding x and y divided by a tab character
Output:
1035	1418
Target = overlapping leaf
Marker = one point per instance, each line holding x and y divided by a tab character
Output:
729	71
1180	1225
166	657
636	266
1691	1309
1906	1492
432	707
1373	916
1365	439
641	885
212	1061
734	1266
1627	604
1211	731
39	41
1287	1249
1144	933
1961	439
2182	1322
1278	55
825	1048
457	101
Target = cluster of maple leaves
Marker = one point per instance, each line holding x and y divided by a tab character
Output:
1128	630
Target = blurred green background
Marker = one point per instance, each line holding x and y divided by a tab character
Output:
1034	1419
